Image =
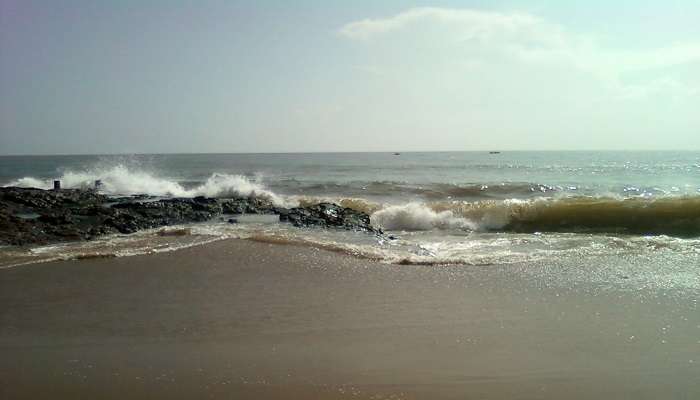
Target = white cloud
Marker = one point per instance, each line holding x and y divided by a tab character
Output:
475	22
513	80
472	37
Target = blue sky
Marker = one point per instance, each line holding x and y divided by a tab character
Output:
224	76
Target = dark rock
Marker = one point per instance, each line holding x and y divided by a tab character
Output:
61	217
328	214
205	204
85	214
233	206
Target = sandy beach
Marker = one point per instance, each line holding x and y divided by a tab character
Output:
275	200
239	319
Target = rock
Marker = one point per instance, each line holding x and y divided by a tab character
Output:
61	217
206	204
328	214
85	214
49	199
233	206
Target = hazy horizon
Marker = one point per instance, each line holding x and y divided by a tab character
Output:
240	77
361	152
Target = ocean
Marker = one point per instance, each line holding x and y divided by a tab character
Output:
474	208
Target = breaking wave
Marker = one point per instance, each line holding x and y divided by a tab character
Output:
678	216
121	180
558	212
418	217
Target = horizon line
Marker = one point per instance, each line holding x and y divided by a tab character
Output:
345	152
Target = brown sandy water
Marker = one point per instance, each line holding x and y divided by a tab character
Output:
239	319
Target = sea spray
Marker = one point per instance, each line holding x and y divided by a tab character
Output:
418	217
122	180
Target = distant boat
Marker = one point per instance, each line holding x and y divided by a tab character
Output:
494	152
397	154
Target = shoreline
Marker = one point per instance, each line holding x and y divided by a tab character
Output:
244	319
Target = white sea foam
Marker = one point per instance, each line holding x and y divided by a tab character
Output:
424	247
225	185
418	217
122	180
475	216
30	182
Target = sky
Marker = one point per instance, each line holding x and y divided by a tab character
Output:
99	77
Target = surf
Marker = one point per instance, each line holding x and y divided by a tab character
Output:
120	180
676	216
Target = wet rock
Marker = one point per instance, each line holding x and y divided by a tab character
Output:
60	217
328	215
233	206
49	199
259	206
64	215
207	205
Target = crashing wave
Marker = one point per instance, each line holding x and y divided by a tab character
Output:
678	216
418	217
669	215
121	180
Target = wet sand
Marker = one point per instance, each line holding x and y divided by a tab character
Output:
238	319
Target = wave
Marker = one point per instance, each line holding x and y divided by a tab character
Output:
117	245
122	180
418	248
418	217
674	216
430	191
437	191
558	212
679	216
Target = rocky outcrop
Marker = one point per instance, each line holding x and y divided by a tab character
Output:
327	215
35	216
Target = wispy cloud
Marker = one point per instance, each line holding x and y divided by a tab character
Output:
486	37
475	22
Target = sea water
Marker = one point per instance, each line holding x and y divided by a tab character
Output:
477	208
